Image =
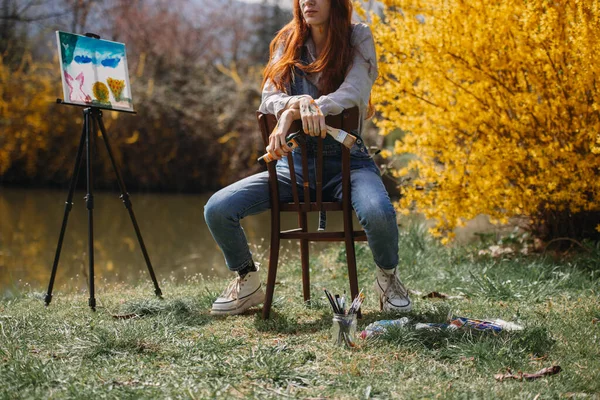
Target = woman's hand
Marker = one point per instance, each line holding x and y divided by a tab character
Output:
294	102
278	147
313	121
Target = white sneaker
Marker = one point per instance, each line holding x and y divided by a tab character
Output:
240	295
393	296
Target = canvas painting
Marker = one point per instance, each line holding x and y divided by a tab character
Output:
94	72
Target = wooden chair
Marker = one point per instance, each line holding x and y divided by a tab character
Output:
348	121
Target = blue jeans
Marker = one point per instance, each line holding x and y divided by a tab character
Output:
250	196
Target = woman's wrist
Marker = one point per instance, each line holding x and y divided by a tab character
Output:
291	113
295	101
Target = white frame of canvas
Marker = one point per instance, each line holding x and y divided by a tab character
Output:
65	87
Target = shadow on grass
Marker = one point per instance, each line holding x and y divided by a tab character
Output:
428	312
512	349
189	312
108	343
282	323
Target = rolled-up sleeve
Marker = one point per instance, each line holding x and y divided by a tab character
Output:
274	101
356	88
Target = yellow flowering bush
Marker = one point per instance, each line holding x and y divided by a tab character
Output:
25	94
500	104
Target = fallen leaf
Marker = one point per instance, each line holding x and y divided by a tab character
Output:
434	295
555	369
539	358
440	295
125	316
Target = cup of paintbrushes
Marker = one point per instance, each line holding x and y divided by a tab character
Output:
343	330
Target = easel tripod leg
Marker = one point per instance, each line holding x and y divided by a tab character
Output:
68	207
128	205
89	202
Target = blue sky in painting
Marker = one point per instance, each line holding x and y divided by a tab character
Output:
90	50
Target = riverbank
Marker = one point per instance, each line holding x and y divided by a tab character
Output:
174	348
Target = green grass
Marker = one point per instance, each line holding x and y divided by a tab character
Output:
175	349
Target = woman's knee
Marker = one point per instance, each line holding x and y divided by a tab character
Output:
216	210
376	213
238	200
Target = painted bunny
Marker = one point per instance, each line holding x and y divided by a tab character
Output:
76	91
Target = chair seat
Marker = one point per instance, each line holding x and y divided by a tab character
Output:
321	236
325	206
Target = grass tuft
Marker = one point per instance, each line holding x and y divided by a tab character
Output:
105	342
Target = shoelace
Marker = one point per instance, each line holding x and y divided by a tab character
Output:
395	287
232	289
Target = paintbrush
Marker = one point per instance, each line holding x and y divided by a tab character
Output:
339	305
293	141
331	301
358	300
341	136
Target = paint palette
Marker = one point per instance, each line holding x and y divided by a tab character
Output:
94	72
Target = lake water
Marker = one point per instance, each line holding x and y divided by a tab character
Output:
172	225
177	239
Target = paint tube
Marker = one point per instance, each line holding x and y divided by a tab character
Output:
495	326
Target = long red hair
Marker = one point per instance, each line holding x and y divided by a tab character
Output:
334	60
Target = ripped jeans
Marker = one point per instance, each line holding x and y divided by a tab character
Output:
250	196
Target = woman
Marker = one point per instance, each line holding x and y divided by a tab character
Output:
320	64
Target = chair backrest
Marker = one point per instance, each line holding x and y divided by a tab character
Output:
348	121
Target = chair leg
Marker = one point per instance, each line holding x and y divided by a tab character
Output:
272	274
350	253
352	274
305	269
303	223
